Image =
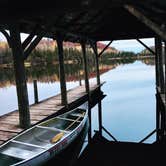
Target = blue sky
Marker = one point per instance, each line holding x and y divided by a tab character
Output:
122	45
131	45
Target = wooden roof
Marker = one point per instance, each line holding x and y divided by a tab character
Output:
76	19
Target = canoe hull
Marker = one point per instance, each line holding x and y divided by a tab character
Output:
53	151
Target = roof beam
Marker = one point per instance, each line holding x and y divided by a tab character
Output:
152	25
105	48
28	40
149	49
4	32
32	46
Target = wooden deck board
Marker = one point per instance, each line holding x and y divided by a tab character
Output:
10	122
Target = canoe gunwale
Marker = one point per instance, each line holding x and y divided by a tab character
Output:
68	137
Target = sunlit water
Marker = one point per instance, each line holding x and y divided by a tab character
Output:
128	109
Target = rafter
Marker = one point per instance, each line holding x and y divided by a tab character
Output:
147	21
32	46
149	49
5	33
105	48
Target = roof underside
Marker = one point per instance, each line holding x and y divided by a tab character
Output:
76	19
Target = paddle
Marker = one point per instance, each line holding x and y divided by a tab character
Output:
58	136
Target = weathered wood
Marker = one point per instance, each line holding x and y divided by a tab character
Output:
156	62
153	26
159	65
83	45
105	48
149	49
161	71
32	46
5	33
100	116
40	111
149	135
62	71
20	76
28	40
85	67
36	99
94	47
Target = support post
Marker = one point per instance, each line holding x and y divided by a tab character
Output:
161	72
62	71
35	91
159	66
156	62
94	47
87	88
20	76
85	67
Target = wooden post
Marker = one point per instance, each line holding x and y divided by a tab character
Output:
35	91
98	83
157	62
62	71
164	58
19	69
157	119
79	77
87	89
161	71
97	64
85	67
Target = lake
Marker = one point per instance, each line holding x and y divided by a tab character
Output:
128	109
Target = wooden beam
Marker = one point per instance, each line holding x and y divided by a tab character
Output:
140	16
61	70
94	47
156	63
149	135
36	98
85	67
32	46
149	49
83	45
4	32
105	48
20	76
28	40
159	65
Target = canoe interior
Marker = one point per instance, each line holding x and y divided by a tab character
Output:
37	139
8	160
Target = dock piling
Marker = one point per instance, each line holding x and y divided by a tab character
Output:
61	70
20	77
36	99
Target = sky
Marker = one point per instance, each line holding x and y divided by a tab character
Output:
121	45
131	45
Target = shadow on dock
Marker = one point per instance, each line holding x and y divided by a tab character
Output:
103	152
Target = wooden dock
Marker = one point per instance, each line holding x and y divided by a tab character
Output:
43	110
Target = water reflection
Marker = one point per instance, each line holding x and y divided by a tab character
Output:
50	73
128	109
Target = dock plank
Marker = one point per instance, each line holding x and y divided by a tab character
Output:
10	122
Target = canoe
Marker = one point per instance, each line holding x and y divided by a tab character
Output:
40	143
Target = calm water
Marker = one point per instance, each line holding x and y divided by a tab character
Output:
128	108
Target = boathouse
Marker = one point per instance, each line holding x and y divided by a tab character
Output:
85	22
